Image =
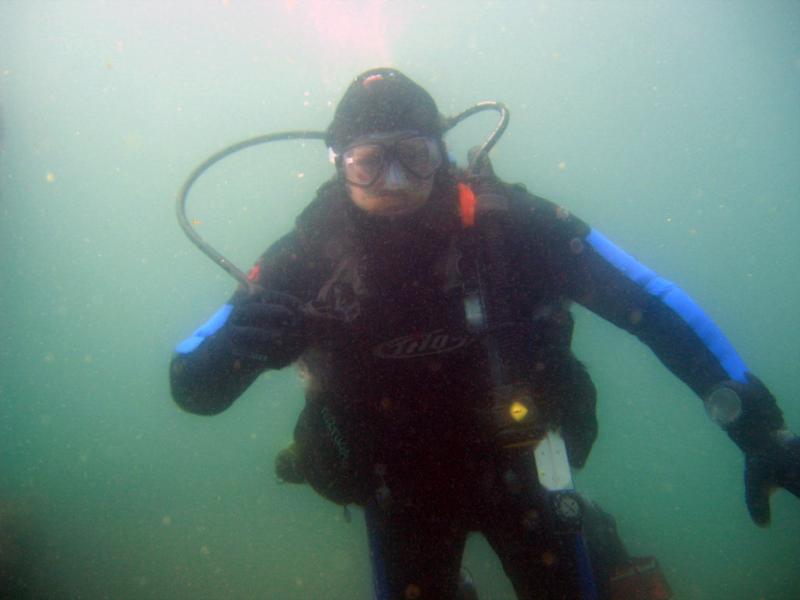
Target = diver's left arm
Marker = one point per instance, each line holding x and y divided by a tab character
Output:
594	272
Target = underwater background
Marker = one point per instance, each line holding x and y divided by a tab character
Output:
672	127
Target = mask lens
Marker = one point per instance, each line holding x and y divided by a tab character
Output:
363	164
420	155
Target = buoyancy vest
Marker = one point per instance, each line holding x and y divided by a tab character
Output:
401	376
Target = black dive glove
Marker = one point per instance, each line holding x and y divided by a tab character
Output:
269	328
751	417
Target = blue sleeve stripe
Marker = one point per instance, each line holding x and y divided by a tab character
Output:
208	328
676	299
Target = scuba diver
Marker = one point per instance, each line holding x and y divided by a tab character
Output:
429	307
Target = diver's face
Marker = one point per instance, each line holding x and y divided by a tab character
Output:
391	174
388	199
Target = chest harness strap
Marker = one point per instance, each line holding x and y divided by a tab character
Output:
513	418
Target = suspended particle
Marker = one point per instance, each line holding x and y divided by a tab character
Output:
530	519
576	245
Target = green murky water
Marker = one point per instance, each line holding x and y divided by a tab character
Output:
674	128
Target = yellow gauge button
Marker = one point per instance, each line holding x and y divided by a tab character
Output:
518	411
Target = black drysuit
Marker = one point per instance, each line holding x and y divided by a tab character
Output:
398	382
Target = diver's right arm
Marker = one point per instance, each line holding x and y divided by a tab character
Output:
253	332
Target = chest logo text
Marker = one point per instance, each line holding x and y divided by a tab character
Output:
420	344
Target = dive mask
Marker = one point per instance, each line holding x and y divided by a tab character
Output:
364	162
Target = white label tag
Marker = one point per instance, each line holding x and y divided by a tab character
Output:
552	464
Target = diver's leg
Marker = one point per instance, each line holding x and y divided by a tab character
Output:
606	550
540	564
543	554
414	554
619	574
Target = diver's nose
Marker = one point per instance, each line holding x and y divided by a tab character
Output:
396	177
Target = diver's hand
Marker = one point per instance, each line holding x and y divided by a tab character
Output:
749	413
268	327
775	465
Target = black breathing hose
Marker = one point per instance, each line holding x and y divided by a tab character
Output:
477	159
183	194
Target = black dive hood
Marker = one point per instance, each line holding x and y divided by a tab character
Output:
476	161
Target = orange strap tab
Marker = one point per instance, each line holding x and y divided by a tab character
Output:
466	202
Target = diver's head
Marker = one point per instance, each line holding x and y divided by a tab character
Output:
386	135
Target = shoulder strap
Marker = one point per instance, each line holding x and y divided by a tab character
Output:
467	204
480	196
